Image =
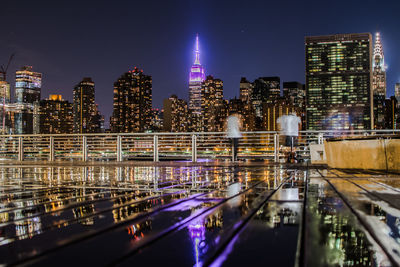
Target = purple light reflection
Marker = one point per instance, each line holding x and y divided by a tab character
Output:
197	232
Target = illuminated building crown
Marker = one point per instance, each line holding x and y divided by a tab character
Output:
379	61
197	73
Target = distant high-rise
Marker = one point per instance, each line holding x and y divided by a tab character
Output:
248	112
271	112
87	118
391	112
338	82
27	96
397	93
212	104
265	90
295	95
4	100
379	84
196	77
56	115
246	90
157	119
175	115
28	85
132	108
4	92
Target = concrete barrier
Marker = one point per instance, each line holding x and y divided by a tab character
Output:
368	153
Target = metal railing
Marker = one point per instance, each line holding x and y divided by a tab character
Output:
157	146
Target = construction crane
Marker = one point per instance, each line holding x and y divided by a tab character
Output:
3	76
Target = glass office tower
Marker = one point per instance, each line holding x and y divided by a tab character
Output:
338	82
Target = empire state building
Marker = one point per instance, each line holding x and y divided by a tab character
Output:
196	77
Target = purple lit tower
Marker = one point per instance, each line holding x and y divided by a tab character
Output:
196	77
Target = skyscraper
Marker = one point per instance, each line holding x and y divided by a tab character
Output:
4	92
271	112
379	84
391	113
248	112
87	118
397	93
157	119
27	96
132	108
4	100
212	104
295	95
196	77
265	90
27	85
338	82
56	115
246	90
175	115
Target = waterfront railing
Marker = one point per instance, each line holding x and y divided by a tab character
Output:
191	146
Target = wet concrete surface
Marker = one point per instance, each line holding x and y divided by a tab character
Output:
198	215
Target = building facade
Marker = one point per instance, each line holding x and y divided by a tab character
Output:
157	120
379	84
132	108
295	95
28	86
56	116
212	105
196	78
391	112
271	113
176	113
86	116
264	90
338	82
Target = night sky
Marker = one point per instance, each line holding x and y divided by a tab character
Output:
69	40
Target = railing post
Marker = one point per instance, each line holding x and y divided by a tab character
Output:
51	156
20	148
276	147
119	148
155	148
84	148
320	138
194	148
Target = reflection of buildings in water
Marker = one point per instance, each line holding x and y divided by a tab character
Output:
138	231
197	231
391	221
82	212
337	238
126	211
28	228
144	173
277	214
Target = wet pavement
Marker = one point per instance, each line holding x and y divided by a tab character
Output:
206	214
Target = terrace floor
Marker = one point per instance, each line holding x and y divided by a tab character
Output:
197	214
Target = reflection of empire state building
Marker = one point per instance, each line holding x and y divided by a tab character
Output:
196	77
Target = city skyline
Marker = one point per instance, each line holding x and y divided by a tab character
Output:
243	49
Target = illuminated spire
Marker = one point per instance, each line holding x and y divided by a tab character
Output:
197	51
379	61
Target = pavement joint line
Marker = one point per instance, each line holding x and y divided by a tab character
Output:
364	224
301	256
373	194
387	186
